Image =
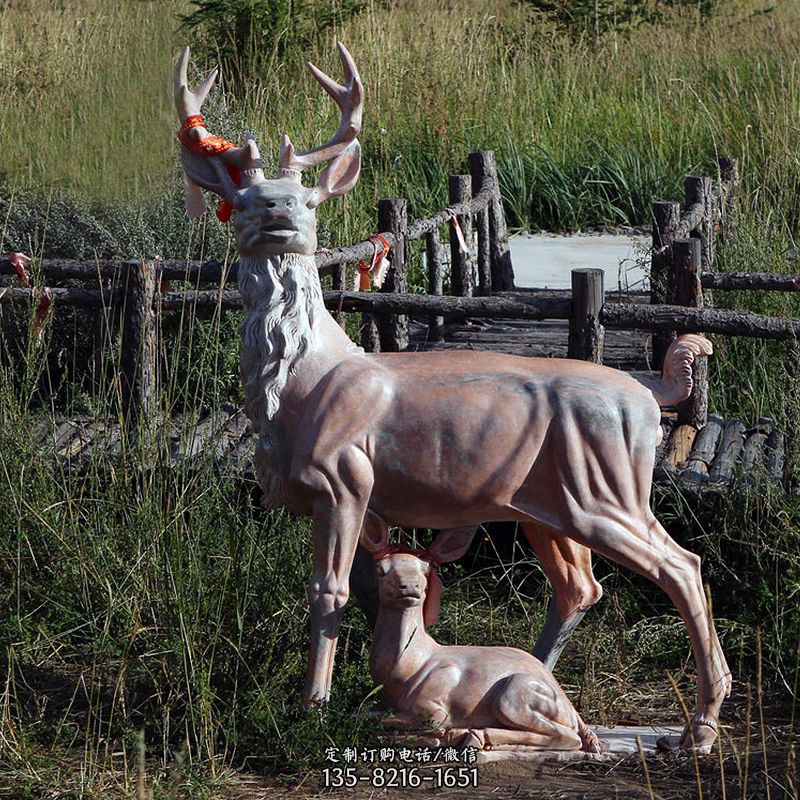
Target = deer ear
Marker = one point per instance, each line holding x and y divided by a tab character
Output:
339	177
374	533
207	172
452	544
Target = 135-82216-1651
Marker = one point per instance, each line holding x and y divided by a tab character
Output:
401	777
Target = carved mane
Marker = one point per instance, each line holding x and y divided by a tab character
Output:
280	295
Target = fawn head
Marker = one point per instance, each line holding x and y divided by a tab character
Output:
271	216
408	577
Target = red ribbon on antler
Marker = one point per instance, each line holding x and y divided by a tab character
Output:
210	146
433	595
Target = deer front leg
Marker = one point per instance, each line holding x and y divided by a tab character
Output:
338	515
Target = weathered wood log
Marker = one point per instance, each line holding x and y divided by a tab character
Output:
722	467
92	298
94	270
393	217
771	282
665	221
680	444
686	254
526	307
433	256
705	320
484	173
139	346
774	455
686	258
699	191
483	167
229	299
585	331
459	188
707	442
668	425
484	254
690	220
752	455
695	473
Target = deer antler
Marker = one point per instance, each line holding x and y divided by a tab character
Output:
350	99
209	161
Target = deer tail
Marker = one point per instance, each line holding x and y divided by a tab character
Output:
675	384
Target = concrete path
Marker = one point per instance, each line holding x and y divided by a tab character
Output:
545	260
621	742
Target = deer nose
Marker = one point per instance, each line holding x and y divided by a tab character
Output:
281	205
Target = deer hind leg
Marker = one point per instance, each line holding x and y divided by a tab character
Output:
536	714
568	565
638	541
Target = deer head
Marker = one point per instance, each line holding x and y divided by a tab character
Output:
271	216
407	577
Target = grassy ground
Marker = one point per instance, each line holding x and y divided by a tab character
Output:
152	624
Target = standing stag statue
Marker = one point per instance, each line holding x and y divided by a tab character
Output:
448	441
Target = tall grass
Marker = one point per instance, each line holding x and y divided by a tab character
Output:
140	605
587	132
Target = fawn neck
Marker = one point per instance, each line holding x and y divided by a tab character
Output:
401	644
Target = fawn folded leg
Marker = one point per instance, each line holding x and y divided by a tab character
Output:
568	566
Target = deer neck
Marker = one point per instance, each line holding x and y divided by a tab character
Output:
401	645
289	338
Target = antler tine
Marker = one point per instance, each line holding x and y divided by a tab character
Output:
188	103
350	99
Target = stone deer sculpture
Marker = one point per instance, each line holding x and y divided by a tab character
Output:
434	440
486	697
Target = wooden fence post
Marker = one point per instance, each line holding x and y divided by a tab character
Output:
476	169
393	217
484	254
701	190
461	282
484	165
686	260
435	282
665	219
585	331
139	346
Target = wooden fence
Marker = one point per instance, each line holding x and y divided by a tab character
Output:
481	283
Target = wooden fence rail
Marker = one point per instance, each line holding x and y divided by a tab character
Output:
481	279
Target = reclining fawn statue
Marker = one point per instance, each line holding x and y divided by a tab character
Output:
433	440
492	698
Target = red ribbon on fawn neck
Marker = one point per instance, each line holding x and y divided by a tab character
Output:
210	146
433	596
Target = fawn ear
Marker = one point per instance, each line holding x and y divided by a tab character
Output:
340	176
452	544
374	533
